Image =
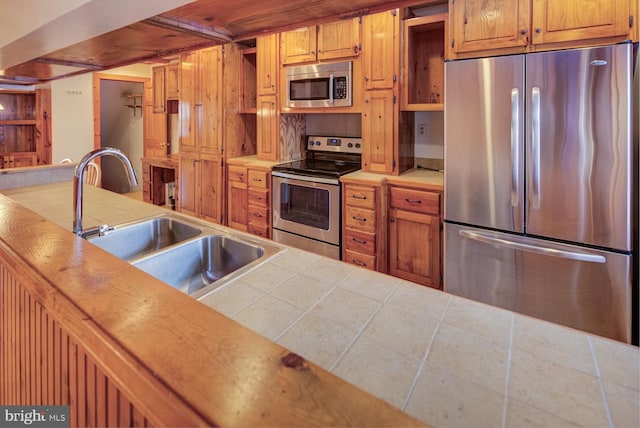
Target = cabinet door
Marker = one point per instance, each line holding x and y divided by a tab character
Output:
267	64
209	112
188	99
573	20
381	49
481	25
339	39
268	128
210	189
237	197
155	127
188	184
414	247
172	83
297	46
379	118
159	85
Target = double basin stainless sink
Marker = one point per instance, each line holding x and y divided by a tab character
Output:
193	257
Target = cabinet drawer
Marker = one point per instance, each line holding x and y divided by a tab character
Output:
360	219
238	174
363	260
360	241
259	179
259	197
414	200
363	197
259	229
258	215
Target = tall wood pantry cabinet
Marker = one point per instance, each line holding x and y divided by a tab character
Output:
387	134
201	118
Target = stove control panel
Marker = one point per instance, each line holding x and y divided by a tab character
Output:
335	144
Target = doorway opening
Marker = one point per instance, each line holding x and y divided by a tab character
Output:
119	123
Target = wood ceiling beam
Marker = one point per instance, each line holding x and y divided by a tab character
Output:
206	33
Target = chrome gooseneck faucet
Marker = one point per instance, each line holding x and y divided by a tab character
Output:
78	181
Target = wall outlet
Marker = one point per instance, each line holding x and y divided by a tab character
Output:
422	129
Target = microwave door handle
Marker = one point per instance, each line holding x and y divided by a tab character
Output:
331	80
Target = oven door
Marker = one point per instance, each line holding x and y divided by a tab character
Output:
307	206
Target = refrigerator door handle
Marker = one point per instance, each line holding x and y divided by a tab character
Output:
515	146
535	146
488	238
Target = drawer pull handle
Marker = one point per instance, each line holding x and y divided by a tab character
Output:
359	241
257	198
259	180
359	263
359	197
355	217
257	215
413	201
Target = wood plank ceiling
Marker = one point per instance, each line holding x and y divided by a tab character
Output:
198	24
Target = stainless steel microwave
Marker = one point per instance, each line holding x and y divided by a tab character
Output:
319	85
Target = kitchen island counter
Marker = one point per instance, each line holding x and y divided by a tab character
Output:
445	360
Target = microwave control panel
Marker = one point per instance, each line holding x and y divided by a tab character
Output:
340	88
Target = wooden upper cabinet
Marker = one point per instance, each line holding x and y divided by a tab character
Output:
561	21
334	40
381	49
299	45
159	88
155	126
268	126
210	110
524	25
339	39
479	25
267	64
188	99
201	101
172	81
379	131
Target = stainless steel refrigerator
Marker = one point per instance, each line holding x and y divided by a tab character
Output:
539	185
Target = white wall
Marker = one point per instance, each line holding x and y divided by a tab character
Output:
72	112
72	117
429	144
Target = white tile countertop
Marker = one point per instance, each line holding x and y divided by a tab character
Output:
443	359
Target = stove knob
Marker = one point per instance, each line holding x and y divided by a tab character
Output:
357	145
311	142
350	145
318	143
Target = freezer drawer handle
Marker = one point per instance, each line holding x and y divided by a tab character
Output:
489	239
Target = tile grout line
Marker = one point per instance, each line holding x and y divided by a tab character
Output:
350	345
508	377
423	362
600	384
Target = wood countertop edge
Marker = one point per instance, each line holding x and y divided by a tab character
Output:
233	375
419	179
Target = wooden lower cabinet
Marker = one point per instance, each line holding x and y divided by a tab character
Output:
362	236
201	185
249	199
414	237
259	203
237	197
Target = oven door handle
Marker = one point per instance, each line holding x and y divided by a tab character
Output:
306	178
